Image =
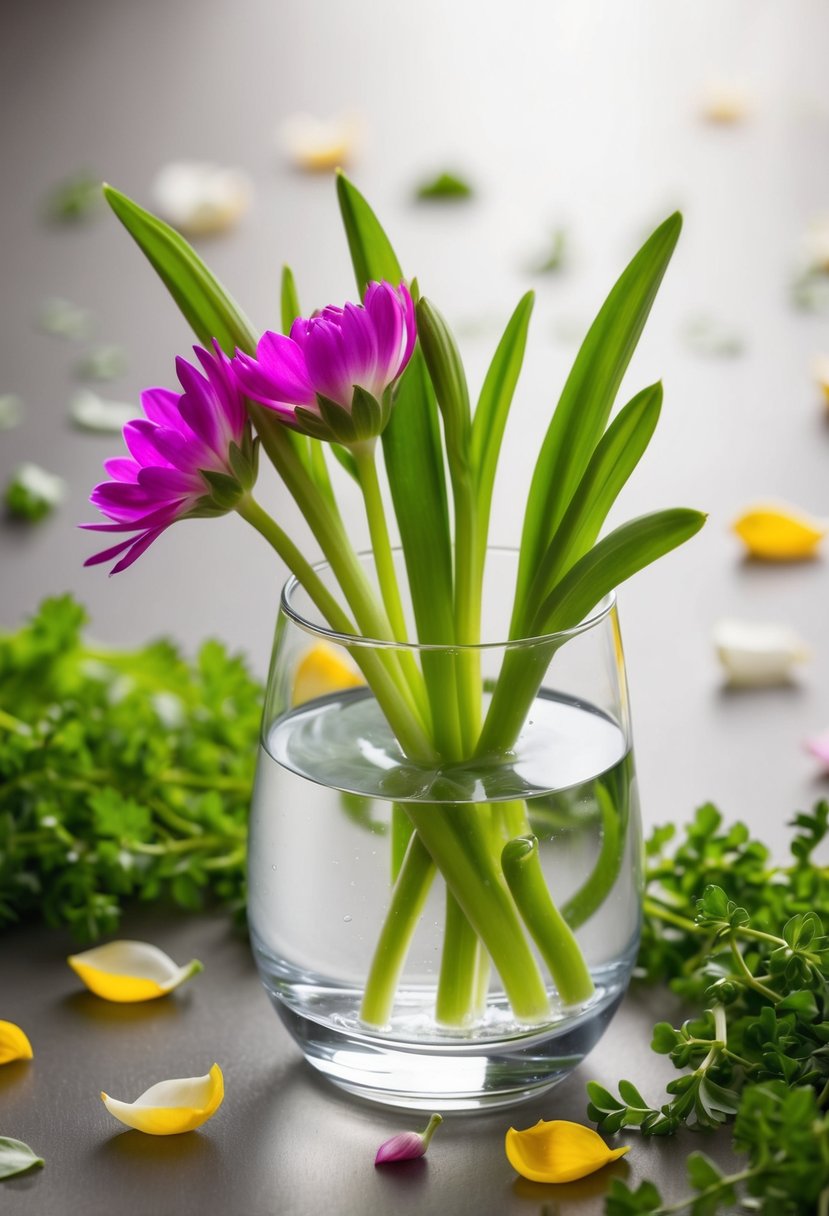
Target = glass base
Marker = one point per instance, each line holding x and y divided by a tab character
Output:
418	1065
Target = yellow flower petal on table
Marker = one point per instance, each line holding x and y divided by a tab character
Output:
319	144
779	534
130	971
821	369
14	1044
320	671
171	1107
558	1151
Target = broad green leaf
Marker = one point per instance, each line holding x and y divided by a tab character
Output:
371	252
16	1157
614	459
206	306
493	409
289	300
411	441
587	399
615	558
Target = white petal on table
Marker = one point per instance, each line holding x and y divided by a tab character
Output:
200	198
757	654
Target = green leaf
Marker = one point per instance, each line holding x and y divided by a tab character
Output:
371	252
702	1172
614	459
16	1157
493	409
615	558
587	399
445	185
630	1094
601	1098
206	306
411	441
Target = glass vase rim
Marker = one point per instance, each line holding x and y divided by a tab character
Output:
292	584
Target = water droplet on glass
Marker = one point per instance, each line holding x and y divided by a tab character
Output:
348	919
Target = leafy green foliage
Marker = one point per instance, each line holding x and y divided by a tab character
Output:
744	939
123	774
75	198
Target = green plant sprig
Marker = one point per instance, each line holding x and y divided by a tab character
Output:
123	774
751	949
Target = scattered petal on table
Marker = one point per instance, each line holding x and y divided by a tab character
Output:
318	144
127	971
33	493
106	362
816	244
706	335
63	319
821	368
406	1146
725	102
199	198
11	411
171	1107
14	1045
755	654
819	746
558	1151
16	1157
90	412
779	533
322	670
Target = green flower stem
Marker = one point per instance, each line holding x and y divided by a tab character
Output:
409	896
327	526
552	935
459	965
406	726
461	852
363	454
520	678
364	457
593	892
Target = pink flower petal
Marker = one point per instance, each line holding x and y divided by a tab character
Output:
819	746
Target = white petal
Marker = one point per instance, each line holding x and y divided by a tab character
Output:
200	198
40	484
89	412
755	654
140	960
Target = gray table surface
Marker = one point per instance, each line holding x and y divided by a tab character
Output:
567	113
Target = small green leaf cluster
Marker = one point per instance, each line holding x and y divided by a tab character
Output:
123	774
750	945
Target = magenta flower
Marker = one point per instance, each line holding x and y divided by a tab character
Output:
331	376
405	1146
192	454
819	746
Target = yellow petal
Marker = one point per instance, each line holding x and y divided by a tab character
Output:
317	144
822	375
558	1151
171	1107
130	971
778	534
322	670
13	1044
